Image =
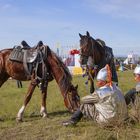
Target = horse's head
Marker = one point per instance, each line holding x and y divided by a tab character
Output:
63	77
91	47
72	99
86	46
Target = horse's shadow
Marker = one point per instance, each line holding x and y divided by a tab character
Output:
51	115
36	116
59	113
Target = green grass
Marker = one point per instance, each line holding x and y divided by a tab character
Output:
34	127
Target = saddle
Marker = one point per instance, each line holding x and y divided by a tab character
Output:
20	54
101	42
32	58
25	53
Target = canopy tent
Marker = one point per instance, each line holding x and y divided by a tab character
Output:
132	58
73	62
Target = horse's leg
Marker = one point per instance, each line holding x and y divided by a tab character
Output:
26	101
43	110
3	78
91	86
91	79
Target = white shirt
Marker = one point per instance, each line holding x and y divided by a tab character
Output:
111	105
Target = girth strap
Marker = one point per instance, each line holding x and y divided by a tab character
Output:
25	63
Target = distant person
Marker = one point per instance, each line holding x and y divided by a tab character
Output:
19	84
130	96
105	106
117	62
121	66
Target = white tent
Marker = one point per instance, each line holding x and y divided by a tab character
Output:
132	58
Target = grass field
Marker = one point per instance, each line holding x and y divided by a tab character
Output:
36	128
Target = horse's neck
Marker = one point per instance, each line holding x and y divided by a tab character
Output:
98	54
97	57
59	74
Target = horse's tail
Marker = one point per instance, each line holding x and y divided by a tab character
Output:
114	72
111	63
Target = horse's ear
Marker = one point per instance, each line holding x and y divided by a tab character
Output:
88	34
80	35
48	50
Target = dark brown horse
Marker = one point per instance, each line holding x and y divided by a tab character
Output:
96	52
55	67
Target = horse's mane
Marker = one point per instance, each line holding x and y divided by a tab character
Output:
66	79
8	49
98	47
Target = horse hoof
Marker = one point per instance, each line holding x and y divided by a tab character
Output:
18	120
43	115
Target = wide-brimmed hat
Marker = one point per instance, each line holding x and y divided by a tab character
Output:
105	74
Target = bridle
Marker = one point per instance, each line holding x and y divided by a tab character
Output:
90	53
72	100
70	97
90	48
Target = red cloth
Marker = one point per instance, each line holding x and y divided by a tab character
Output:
73	52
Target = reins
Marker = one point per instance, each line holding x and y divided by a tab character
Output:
65	84
67	98
92	55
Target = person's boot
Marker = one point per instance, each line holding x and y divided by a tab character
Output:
76	117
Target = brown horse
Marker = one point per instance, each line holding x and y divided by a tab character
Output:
55	67
96	52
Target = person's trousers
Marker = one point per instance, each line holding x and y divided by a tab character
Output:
130	96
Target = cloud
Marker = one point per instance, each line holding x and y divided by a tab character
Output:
128	9
4	7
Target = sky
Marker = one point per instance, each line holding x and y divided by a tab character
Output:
59	22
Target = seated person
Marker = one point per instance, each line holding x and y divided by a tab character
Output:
105	105
131	94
